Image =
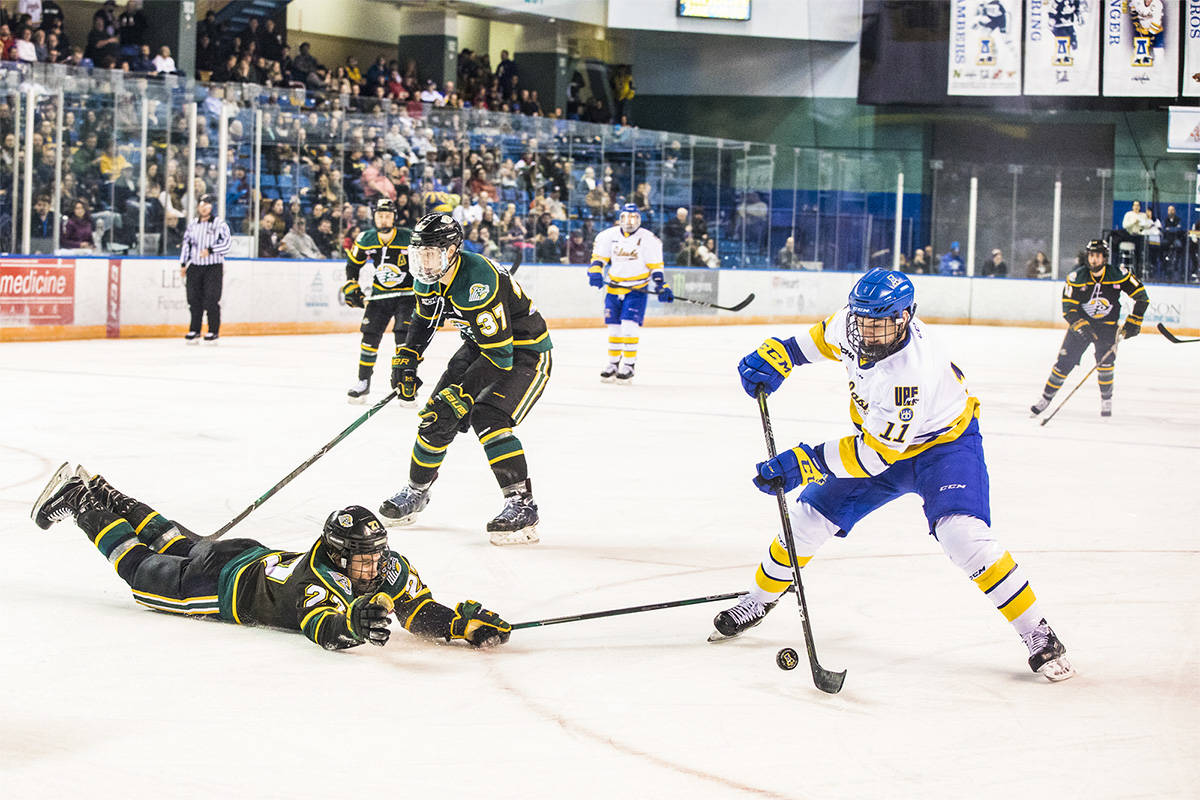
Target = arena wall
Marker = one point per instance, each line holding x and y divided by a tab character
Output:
82	298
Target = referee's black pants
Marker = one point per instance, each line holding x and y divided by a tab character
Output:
204	295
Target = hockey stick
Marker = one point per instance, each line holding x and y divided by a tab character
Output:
1100	361
749	299
712	598
392	395
1170	337
824	679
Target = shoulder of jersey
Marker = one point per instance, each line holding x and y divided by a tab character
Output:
403	236
368	238
476	282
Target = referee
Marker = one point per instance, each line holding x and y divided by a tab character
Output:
202	264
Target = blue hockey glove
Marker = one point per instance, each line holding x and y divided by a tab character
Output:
596	278
665	295
792	468
768	365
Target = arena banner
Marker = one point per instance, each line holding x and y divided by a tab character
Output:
37	291
985	47
1141	48
1062	48
1191	50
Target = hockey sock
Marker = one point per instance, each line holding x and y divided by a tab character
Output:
116	541
774	574
629	341
505	456
1005	585
368	353
1053	383
426	460
157	532
615	343
1104	374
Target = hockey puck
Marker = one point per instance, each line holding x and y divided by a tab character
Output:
787	659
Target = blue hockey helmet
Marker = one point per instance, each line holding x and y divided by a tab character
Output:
630	219
876	320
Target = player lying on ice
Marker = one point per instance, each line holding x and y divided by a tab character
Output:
918	433
339	593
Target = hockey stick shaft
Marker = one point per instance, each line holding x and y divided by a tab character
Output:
738	307
712	598
824	679
1099	361
1170	337
312	460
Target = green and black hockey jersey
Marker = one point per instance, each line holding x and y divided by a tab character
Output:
305	592
1099	301
388	254
488	307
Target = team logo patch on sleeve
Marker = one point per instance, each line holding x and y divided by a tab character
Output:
342	581
478	291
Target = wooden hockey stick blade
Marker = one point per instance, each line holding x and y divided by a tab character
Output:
1170	337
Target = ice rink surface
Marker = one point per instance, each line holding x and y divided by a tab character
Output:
645	496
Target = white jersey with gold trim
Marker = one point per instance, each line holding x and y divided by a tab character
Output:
631	259
902	405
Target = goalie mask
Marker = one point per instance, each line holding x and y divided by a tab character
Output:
880	308
356	543
429	252
630	218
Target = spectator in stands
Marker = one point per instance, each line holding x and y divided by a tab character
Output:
506	73
43	224
103	45
578	251
304	64
324	238
472	244
23	49
430	94
143	62
951	262
1039	266
489	248
918	265
112	162
549	248
675	231
298	244
786	258
995	267
131	29
268	237
77	230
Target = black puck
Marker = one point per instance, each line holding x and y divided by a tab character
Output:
787	659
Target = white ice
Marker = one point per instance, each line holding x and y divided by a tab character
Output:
645	497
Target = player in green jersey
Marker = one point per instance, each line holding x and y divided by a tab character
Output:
339	593
391	297
489	385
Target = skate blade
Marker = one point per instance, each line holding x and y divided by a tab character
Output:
60	476
406	403
361	400
398	522
717	636
524	536
610	379
83	474
192	342
1059	669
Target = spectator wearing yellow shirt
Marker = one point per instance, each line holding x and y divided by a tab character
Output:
112	162
353	73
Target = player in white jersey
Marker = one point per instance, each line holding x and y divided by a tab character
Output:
917	432
626	258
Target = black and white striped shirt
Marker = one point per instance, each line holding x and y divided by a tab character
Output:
212	235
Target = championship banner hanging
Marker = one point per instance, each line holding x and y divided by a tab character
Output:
1191	50
1062	48
985	47
1141	48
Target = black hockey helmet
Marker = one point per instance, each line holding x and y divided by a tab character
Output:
432	237
1097	246
352	531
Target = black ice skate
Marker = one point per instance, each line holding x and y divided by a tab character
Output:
358	392
192	337
734	621
517	521
625	374
608	374
64	497
211	338
402	508
1047	655
1039	406
107	495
